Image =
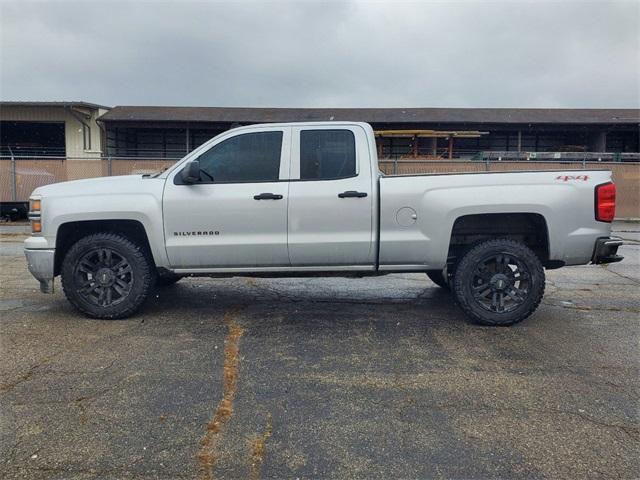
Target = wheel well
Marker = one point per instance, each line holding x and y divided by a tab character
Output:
70	233
528	228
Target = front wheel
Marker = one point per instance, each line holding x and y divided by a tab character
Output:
499	282
107	276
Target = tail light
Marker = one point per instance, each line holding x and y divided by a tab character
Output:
606	202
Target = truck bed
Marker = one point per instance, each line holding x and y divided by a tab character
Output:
563	197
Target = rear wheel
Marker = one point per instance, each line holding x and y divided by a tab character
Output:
437	277
499	282
107	276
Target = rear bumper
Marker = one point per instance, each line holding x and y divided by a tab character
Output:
606	250
40	263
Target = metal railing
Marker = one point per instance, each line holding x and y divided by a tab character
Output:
26	151
523	156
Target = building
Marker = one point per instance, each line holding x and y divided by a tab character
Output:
51	129
462	133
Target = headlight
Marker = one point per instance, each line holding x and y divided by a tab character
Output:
35	212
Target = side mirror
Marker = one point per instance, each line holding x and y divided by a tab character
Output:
191	172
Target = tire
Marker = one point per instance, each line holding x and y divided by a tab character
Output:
499	282
437	277
107	276
167	279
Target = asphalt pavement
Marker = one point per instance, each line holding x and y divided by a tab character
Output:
322	378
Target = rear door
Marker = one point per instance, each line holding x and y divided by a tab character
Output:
331	198
236	216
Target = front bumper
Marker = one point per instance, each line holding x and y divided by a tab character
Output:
606	250
41	264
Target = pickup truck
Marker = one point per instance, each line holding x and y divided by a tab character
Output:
308	199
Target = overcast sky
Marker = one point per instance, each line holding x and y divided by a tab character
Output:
323	54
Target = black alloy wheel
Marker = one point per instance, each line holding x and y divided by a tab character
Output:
499	282
106	275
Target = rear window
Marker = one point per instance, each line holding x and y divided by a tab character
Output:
327	154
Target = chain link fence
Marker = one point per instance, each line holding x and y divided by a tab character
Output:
20	176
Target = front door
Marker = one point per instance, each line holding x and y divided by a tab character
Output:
236	215
331	198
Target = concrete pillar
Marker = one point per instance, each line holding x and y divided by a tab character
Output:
434	146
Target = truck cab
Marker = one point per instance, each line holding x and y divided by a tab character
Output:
270	197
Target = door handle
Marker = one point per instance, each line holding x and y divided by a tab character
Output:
267	196
352	194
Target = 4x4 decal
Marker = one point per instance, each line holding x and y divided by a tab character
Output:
566	178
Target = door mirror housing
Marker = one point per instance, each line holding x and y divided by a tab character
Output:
191	172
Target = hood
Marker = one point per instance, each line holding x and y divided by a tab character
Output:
95	186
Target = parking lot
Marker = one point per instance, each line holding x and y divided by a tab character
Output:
322	378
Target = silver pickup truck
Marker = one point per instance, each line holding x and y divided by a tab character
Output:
302	199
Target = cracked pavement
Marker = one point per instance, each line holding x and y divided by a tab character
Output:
322	378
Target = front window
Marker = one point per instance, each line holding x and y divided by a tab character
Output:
249	157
